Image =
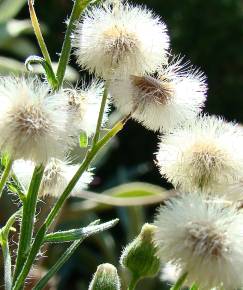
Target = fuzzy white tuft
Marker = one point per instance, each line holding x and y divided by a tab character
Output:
204	239
205	155
56	177
33	121
163	102
84	106
121	40
170	273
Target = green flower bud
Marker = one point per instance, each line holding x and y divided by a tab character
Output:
105	278
140	255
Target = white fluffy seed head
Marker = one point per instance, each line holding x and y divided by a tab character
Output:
204	155
204	239
120	40
56	177
33	121
84	105
162	102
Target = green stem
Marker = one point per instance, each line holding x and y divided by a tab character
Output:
5	175
28	218
78	7
7	265
38	34
4	233
179	282
194	287
100	118
56	209
133	283
43	282
48	65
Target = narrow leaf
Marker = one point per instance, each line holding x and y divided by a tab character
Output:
78	234
69	252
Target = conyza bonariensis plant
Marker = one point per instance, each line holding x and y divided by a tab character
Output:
197	236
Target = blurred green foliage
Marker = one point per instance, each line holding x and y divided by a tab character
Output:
210	34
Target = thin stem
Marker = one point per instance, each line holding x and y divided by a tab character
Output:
68	253
89	157
38	34
100	118
47	64
4	233
78	7
133	283
179	282
57	207
28	218
7	265
5	175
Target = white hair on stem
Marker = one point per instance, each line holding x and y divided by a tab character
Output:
204	239
162	102
33	120
120	40
56	177
204	155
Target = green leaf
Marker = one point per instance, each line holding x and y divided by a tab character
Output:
78	234
83	140
130	194
90	230
10	8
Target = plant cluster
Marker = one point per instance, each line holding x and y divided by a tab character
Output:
199	233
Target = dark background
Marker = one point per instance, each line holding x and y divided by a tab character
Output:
209	33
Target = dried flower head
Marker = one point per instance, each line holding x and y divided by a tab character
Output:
84	105
120	39
205	155
33	121
162	102
204	239
56	177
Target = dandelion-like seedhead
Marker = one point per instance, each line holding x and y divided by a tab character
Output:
164	101
56	177
33	121
203	239
204	155
84	106
120	40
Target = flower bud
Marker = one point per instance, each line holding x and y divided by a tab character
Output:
140	255
105	278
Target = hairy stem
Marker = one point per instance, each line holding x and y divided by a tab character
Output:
78	7
28	219
60	202
100	118
5	175
7	265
